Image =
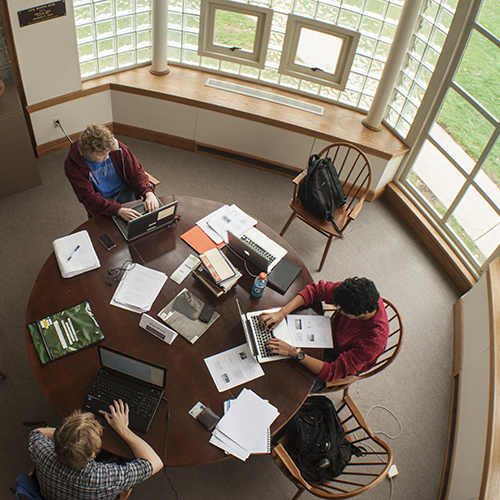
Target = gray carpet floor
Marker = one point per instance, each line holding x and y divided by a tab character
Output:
415	388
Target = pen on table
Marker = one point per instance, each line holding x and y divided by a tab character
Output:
72	253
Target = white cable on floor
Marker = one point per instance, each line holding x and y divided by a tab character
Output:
382	432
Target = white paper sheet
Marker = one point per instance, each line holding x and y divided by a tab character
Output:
217	223
138	288
233	367
247	419
308	330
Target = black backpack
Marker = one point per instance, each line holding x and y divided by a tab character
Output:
320	191
317	441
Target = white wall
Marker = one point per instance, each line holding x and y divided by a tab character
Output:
474	403
47	53
75	116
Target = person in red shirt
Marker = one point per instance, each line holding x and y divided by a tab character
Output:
360	328
105	174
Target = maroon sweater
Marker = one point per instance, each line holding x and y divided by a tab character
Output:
127	166
356	343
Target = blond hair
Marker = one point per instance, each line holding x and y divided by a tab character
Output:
96	139
77	439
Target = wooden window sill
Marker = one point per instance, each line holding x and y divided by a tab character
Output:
187	86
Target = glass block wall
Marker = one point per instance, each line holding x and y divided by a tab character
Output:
426	46
112	34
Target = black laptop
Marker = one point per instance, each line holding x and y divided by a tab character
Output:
148	221
136	382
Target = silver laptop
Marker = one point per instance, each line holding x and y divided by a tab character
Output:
256	335
148	222
136	382
257	248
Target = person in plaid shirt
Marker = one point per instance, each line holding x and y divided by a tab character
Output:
65	458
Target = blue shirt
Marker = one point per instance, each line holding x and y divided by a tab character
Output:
96	481
105	178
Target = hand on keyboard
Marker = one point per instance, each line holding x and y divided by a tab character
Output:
270	321
128	214
278	346
151	202
118	416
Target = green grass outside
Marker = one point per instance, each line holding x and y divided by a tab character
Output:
480	77
235	30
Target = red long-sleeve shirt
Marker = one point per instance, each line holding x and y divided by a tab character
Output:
356	343
127	166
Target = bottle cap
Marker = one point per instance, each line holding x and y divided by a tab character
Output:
262	276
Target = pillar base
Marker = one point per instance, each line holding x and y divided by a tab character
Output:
153	72
375	129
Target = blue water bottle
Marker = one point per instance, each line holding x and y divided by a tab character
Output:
259	284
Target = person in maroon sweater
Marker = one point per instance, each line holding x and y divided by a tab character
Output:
360	329
105	174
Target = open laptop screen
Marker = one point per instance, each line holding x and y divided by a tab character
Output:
133	367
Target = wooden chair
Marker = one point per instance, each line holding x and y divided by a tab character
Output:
355	175
360	474
394	344
152	180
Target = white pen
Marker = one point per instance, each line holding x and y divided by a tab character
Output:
72	253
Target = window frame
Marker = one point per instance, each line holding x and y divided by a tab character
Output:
337	80
445	72
206	46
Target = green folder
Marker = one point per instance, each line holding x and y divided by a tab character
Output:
65	332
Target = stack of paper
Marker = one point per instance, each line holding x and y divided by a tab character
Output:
240	431
75	254
138	288
227	218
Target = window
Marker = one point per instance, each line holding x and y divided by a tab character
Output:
456	175
234	32
116	34
112	34
320	52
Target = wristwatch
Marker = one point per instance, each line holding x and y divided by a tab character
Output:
300	355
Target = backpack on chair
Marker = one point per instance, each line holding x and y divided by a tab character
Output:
317	441
320	191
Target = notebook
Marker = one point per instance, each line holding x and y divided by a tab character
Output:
148	222
136	382
257	248
256	335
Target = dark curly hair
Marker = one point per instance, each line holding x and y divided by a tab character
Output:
356	296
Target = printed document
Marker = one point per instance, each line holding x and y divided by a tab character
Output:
308	330
138	288
231	218
233	367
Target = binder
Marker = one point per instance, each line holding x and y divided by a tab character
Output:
65	332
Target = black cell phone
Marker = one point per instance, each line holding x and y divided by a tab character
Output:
107	242
206	313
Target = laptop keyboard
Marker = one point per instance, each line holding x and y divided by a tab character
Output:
270	258
138	402
262	335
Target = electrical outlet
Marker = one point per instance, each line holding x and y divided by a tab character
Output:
57	122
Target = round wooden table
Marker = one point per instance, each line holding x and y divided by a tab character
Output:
65	382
